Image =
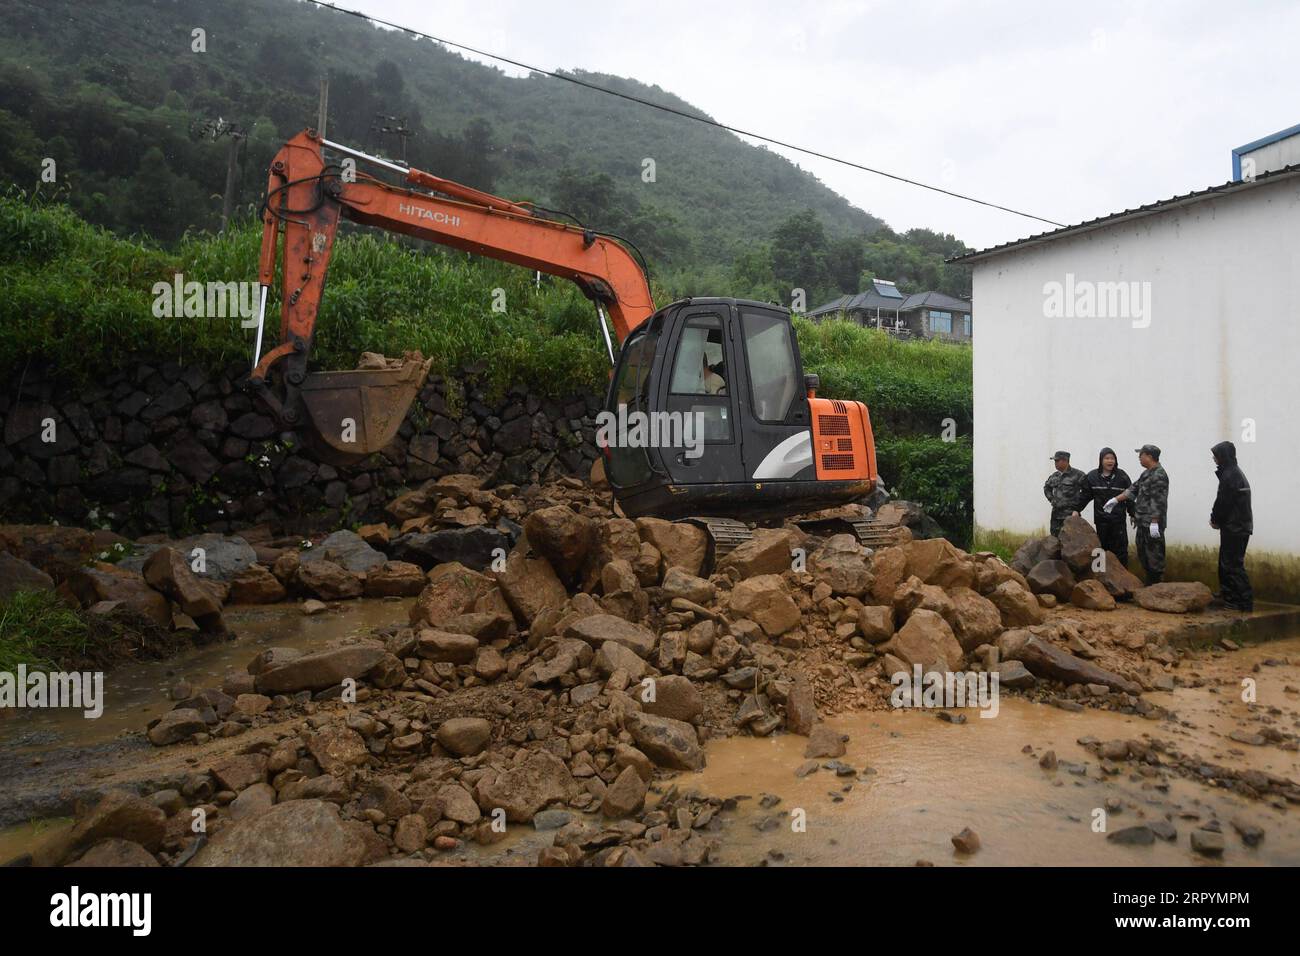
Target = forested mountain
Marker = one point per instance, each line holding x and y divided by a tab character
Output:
116	93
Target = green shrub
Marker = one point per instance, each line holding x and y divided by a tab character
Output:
937	474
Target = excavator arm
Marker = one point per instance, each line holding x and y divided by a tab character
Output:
358	412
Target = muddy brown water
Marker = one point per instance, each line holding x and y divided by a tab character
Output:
134	694
917	780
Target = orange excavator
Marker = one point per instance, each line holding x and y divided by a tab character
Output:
743	438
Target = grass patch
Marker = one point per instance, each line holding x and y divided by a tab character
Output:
39	630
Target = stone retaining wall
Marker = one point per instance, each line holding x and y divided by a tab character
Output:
170	449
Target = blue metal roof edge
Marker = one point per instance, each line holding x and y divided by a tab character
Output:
1262	141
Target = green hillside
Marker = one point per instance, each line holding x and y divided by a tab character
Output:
113	92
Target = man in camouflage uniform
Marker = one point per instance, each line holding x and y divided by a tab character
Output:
1150	497
1064	490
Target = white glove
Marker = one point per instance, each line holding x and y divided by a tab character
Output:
1155	530
1110	505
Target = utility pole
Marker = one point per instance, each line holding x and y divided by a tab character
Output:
322	109
228	195
395	126
212	129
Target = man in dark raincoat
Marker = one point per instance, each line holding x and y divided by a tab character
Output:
1234	520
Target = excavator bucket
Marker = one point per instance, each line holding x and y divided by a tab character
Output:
356	413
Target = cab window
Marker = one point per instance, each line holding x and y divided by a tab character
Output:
700	366
769	351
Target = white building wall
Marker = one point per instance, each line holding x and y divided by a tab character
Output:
1223	345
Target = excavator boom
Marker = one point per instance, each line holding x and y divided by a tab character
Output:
356	413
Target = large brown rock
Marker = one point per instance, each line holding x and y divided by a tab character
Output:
115	853
1078	541
613	656
256	585
625	796
913	594
464	736
530	585
889	570
320	670
599	628
56	550
338	750
678	583
876	623
841	565
1018	607
936	561
18	575
800	707
452	590
682	545
104	582
521	791
562	536
763	600
328	581
669	743
413	504
394	579
175	726
1119	581
990	571
1044	659
675	697
1047	548
170	573
926	639
122	815
1174	597
1092	596
1051	577
767	552
297	833
976	620
446	647
567	656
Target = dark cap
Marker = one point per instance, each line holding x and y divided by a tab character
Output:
1061	454
1152	450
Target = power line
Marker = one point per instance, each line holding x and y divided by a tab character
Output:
682	113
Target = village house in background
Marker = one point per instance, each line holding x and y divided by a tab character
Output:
918	315
1173	323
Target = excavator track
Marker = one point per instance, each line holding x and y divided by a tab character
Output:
725	536
870	532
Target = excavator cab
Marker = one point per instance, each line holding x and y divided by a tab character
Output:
710	413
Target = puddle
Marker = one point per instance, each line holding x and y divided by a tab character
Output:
136	693
932	779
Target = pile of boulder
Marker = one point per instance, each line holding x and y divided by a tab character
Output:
560	659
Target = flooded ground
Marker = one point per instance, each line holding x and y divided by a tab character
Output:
920	780
136	693
916	780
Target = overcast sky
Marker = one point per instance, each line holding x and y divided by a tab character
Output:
1064	110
